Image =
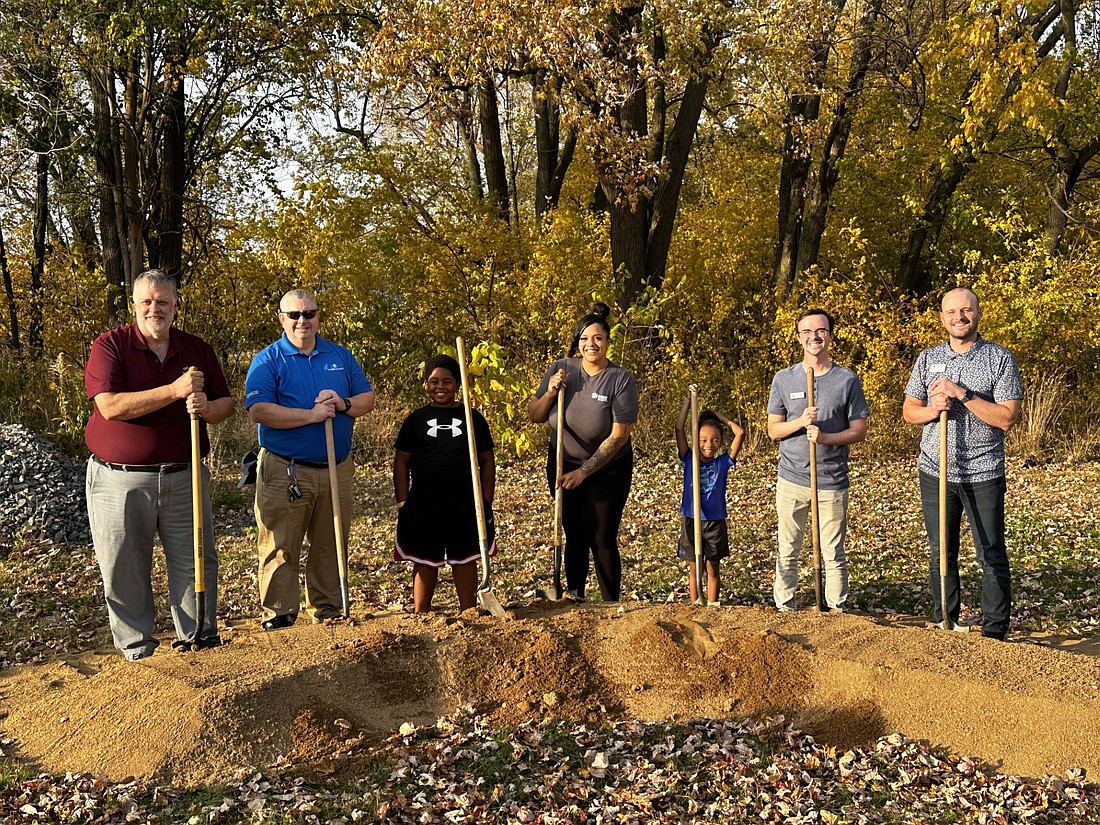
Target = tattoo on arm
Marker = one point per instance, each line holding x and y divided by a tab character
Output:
604	453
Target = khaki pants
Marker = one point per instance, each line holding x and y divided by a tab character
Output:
792	505
282	527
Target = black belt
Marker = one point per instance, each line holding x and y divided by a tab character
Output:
141	468
315	465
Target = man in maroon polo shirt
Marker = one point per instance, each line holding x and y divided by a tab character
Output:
138	480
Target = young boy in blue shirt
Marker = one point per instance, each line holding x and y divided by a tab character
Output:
714	466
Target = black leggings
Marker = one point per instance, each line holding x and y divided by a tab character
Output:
591	515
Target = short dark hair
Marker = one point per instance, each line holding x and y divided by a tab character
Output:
806	313
709	418
597	315
446	362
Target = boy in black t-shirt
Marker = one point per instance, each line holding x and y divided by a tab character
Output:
436	517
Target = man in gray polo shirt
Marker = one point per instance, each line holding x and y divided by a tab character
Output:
837	419
979	385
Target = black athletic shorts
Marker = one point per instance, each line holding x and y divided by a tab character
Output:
437	526
716	540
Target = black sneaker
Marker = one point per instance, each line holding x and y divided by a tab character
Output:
278	622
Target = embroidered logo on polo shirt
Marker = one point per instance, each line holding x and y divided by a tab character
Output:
455	427
334	367
599	397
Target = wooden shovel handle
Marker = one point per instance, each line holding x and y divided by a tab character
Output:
815	526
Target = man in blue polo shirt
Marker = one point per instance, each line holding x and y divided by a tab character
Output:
978	384
292	387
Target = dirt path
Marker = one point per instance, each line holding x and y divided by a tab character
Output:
303	693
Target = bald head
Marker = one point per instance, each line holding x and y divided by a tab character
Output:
294	296
960	294
960	314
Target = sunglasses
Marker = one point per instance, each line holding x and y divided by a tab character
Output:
295	314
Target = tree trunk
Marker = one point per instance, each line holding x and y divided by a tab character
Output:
73	200
109	192
802	113
133	227
469	141
1058	194
911	274
9	293
38	263
166	230
1067	163
1067	167
642	221
629	210
793	177
492	147
666	199
821	193
552	157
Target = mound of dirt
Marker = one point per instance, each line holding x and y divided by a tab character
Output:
310	692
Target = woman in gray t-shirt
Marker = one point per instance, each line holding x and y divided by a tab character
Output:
601	406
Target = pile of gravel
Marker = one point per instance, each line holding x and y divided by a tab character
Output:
41	490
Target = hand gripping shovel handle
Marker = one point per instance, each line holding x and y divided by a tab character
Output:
815	526
697	503
337	519
485	596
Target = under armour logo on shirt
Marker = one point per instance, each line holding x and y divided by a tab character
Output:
455	427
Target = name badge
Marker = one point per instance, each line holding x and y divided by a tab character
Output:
798	394
937	368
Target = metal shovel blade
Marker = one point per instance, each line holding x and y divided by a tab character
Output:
556	591
486	599
488	602
946	624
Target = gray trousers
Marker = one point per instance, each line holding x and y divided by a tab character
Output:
125	511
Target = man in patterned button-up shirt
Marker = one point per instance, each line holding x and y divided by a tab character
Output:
978	384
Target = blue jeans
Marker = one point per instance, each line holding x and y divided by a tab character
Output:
984	504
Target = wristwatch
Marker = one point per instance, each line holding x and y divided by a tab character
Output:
347	406
968	396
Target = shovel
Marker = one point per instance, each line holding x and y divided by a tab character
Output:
556	592
697	504
196	641
946	623
337	520
485	598
815	527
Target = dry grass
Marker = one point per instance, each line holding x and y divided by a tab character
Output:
1036	432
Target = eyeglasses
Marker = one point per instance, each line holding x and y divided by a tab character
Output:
812	333
295	314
